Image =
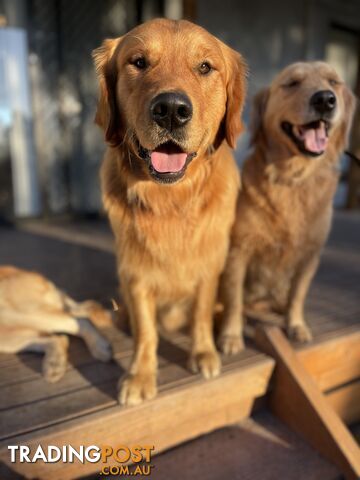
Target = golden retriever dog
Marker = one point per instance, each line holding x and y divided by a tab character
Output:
32	313
170	103
299	128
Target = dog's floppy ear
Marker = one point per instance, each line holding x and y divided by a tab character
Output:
236	93
257	113
349	110
107	116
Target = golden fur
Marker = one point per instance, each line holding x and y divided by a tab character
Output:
284	209
33	311
171	240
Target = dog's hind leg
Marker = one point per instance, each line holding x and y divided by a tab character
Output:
53	346
61	322
55	361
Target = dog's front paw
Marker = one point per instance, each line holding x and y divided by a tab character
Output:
136	388
230	344
207	363
299	333
55	360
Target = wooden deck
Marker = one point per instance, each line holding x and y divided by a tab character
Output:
82	407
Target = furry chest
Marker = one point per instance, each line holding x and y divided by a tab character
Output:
171	252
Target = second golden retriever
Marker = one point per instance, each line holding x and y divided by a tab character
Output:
300	127
170	102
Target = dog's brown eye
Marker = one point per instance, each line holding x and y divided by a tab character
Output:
139	63
205	68
333	82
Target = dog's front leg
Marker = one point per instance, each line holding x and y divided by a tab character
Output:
140	383
204	357
231	293
295	323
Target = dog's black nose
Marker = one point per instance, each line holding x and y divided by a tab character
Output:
171	110
323	101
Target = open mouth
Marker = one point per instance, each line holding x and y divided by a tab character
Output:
311	138
167	163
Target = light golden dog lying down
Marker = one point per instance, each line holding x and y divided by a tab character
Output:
300	127
170	103
33	311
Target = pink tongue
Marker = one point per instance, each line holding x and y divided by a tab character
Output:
166	162
315	139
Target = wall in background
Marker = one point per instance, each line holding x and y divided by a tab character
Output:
61	35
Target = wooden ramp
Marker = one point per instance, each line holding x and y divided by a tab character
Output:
296	399
82	407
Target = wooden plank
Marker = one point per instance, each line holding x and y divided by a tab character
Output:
27	367
346	402
80	402
298	402
333	359
191	409
26	393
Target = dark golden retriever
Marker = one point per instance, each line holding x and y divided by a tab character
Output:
300	126
170	102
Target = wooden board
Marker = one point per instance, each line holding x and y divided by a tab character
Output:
345	400
335	360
